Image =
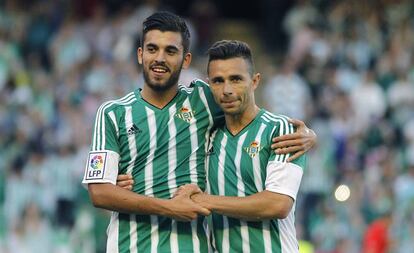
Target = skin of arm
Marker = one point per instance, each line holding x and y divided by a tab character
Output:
256	207
118	199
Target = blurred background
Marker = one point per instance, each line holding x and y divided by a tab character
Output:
344	67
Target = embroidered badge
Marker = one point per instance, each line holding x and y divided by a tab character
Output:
185	114
253	149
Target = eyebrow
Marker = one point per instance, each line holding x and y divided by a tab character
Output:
171	47
151	45
217	78
236	76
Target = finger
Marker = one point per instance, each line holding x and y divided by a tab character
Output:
296	122
177	193
196	189
204	211
182	193
295	135
125	183
288	143
295	156
124	177
289	150
192	189
128	187
123	180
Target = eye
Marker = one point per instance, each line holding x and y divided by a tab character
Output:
236	79
151	49
171	52
217	81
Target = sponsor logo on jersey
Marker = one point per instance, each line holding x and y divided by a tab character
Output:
253	149
185	114
134	130
96	165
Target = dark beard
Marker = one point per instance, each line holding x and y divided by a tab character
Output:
172	81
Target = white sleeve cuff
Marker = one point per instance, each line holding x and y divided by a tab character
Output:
284	178
101	167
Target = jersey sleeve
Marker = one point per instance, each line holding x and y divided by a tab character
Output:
282	176
215	110
103	158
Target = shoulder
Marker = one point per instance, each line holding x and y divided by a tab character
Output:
277	121
113	105
199	83
197	86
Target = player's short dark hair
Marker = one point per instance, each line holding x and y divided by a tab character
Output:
227	49
167	22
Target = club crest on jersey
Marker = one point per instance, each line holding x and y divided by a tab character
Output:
96	165
185	114
253	149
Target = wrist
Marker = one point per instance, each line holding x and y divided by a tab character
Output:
201	199
164	207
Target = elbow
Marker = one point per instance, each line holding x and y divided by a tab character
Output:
279	210
282	213
96	196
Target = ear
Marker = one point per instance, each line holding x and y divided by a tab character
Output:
256	80
139	55
187	60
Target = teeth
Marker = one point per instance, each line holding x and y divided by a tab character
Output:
159	70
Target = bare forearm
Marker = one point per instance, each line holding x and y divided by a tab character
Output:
260	206
115	198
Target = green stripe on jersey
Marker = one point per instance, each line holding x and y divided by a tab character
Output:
237	167
162	149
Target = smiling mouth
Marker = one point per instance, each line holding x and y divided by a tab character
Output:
159	69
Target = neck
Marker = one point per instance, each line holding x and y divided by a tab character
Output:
237	122
158	98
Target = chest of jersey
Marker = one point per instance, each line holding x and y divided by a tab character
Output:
164	148
237	164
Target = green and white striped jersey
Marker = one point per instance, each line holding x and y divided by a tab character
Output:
162	149
243	165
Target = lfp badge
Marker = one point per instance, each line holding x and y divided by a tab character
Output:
253	149
96	165
97	162
185	114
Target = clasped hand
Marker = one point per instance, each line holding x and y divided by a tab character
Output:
184	208
180	207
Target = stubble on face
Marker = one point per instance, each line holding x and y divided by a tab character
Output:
159	86
230	81
162	58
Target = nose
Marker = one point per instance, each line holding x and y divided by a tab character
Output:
227	88
160	57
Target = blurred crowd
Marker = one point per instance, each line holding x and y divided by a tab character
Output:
348	72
